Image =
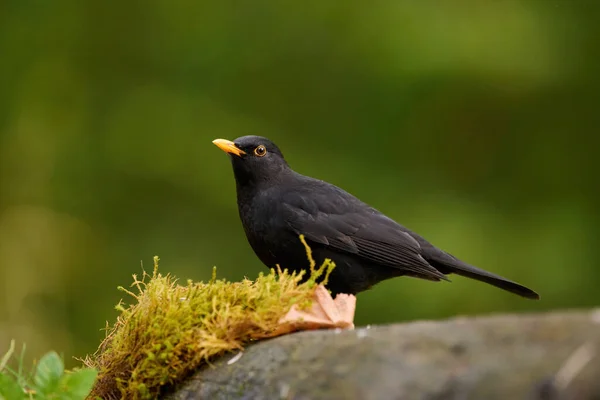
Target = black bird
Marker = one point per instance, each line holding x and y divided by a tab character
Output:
277	204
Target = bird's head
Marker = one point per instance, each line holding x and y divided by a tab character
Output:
255	159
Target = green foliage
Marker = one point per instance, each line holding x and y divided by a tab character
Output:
9	388
47	381
170	330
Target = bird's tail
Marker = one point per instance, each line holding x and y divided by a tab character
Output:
449	264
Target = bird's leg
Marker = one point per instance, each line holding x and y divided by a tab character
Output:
325	312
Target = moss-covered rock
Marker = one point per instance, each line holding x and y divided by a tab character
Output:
170	330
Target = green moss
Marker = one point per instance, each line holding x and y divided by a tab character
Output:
170	330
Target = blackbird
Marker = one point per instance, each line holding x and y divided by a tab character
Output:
277	204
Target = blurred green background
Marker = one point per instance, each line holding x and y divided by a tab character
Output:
473	123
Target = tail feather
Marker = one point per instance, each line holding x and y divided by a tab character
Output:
449	264
496	280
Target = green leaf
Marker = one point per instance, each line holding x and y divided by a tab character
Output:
78	384
48	373
9	389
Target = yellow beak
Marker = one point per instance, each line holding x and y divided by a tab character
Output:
228	147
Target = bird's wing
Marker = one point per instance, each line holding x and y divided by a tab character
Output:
361	231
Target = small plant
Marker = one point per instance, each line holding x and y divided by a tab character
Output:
48	380
169	330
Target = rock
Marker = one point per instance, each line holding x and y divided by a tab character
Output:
552	355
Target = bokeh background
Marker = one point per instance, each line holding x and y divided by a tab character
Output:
473	123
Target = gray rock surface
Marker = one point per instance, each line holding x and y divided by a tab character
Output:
530	356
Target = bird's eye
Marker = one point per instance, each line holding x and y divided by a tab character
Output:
260	151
